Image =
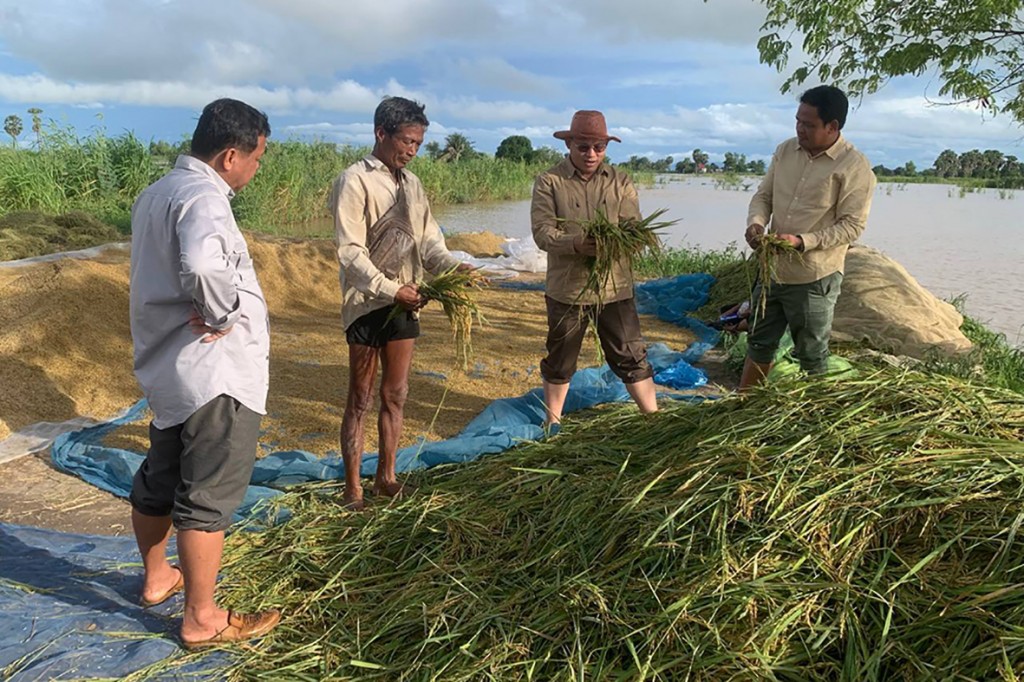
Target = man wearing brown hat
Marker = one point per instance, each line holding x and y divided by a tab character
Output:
565	197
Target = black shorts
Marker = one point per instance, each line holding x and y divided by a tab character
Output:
374	329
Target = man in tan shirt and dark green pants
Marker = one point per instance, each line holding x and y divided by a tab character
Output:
565	197
817	193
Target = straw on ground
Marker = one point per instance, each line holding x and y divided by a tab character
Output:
815	530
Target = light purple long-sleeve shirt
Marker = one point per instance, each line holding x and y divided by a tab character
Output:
189	255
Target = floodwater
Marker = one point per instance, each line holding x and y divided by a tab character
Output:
954	243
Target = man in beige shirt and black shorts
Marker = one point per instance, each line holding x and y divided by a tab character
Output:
387	237
817	193
564	197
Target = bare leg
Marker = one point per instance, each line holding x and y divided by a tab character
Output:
753	373
554	401
362	370
645	395
152	534
200	553
396	363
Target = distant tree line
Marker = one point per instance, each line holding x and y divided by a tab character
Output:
697	162
990	164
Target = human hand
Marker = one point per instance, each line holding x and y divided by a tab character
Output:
796	240
199	326
738	318
754	234
408	297
478	277
586	246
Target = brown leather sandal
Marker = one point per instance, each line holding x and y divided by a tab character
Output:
241	626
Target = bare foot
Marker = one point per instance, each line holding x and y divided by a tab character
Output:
353	499
393	489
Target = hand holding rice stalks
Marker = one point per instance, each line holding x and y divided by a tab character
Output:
452	289
769	248
626	239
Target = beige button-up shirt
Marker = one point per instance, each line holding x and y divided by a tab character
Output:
359	198
825	199
189	256
562	201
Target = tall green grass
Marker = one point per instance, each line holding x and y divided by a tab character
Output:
98	175
102	175
993	359
293	184
687	259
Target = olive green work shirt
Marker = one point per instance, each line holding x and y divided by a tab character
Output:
824	199
361	195
562	202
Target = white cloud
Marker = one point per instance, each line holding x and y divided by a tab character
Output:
346	96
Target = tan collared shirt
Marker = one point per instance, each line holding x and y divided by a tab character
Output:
359	197
562	201
825	199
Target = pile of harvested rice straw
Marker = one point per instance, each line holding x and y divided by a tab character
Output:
814	530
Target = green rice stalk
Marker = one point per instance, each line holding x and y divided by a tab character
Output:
865	529
770	247
625	240
453	290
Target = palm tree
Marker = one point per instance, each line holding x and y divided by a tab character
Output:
13	127
37	124
456	146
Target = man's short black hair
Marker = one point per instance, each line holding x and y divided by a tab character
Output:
394	112
830	101
227	123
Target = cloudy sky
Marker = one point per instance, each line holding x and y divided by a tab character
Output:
670	76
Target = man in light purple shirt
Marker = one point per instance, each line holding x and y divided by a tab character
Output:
201	337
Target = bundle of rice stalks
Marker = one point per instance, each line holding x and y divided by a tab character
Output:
453	290
768	251
625	240
861	530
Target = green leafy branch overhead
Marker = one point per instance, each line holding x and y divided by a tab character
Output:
975	47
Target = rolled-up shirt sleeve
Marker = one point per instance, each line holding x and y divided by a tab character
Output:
207	269
436	256
547	231
348	199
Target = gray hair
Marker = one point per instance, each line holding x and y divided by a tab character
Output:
394	112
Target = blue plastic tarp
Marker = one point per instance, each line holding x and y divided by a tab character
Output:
69	610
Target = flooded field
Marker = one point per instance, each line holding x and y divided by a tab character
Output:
954	243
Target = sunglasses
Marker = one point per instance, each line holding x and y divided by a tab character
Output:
584	148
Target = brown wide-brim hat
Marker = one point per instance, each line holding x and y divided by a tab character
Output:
588	125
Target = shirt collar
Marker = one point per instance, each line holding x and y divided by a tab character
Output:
376	164
191	163
832	152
